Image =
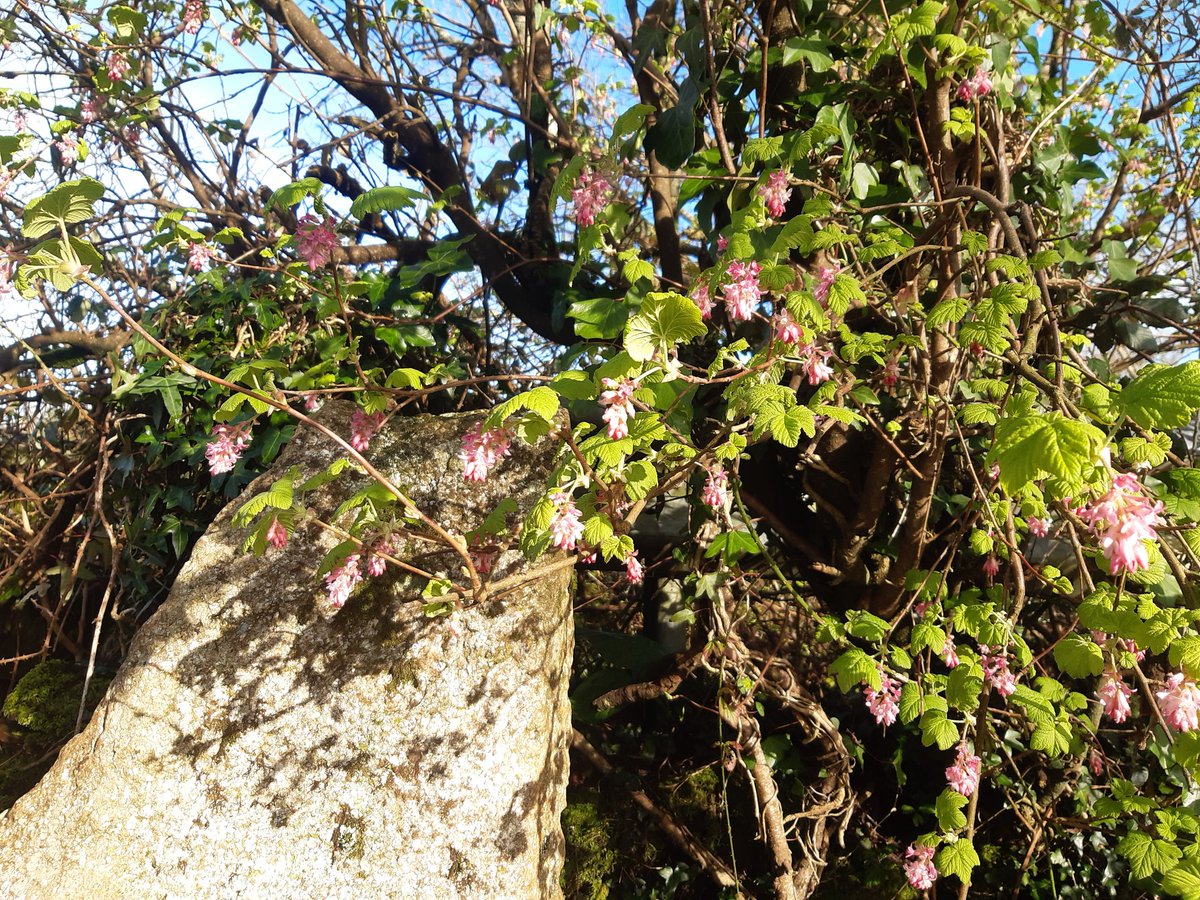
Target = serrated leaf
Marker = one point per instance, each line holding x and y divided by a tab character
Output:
926	634
381	199
127	23
949	807
631	120
1162	397
855	667
640	479
597	529
1078	656
664	320
937	729
1183	881
912	704
69	202
1148	855
949	311
1185	654
289	195
864	625
1034	446
958	859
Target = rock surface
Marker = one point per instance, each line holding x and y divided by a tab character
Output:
257	744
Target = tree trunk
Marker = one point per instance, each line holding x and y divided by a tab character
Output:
258	744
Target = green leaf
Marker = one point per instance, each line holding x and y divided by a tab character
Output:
1162	397
937	729
381	199
912	704
1035	446
279	495
732	546
673	136
1183	881
631	120
1078	657
664	320
573	385
600	319
958	859
640	479
71	201
1148	855
290	194
949	810
1185	653
926	634
864	625
947	312
127	23
814	51
855	667
597	529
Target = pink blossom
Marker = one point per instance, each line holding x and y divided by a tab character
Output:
703	300
19	120
88	110
618	398
132	134
226	447
1130	646
976	86
995	670
634	571
565	526
363	428
1096	763
891	373
590	196
481	450
312	402
482	558
950	653
815	363
69	150
1114	694
376	565
198	255
963	776
1039	527
884	704
991	566
826	275
193	15
315	241
118	66
387	545
1125	519
920	870
277	535
8	266
775	193
716	488
722	243
787	329
1180	702
342	580
743	292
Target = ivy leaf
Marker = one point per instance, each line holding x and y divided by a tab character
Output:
1035	446
382	199
664	320
957	859
1079	657
71	201
1148	855
949	810
1162	397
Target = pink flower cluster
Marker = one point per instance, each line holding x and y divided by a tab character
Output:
703	300
743	292
277	535
566	527
618	400
995	670
634	571
963	776
716	488
787	329
1125	519
1114	694
342	580
590	196
193	15
315	241
198	255
815	363
1039	527
826	275
920	870
991	566
68	149
226	447
481	450
89	110
775	193
976	86
363	427
884	704
1180	703
118	66
950	653
376	564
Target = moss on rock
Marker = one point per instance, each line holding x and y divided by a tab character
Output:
45	702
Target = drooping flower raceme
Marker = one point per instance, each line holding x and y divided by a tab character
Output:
68	149
950	653
363	427
277	535
963	776
198	255
991	566
315	240
743	291
995	670
787	329
1114	694
225	447
1125	519
815	363
826	275
342	580
634	571
703	300
919	869
118	66
481	450
1039	527
566	527
589	196
88	110
975	86
617	398
716	488
775	193
884	703
193	15
1180	702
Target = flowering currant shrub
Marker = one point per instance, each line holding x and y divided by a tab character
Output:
866	346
